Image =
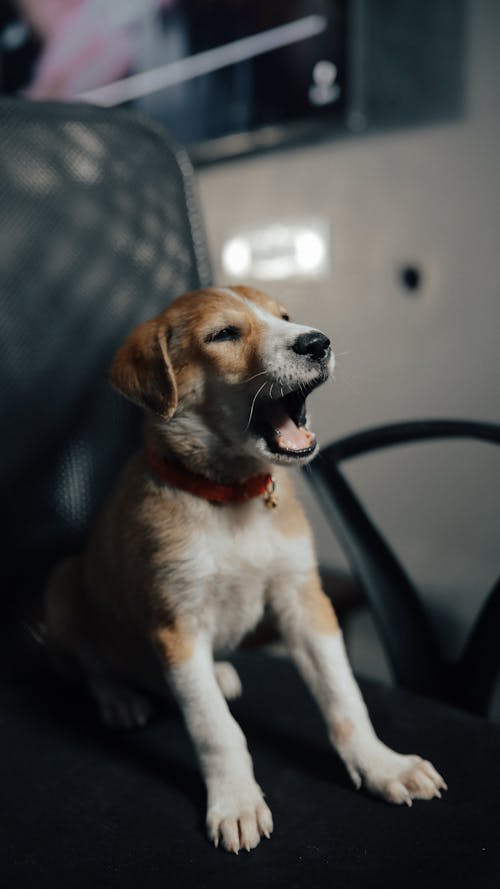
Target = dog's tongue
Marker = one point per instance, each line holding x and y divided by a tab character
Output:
288	435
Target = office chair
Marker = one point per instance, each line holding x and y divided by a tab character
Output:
99	229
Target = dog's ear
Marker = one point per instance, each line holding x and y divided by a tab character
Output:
142	370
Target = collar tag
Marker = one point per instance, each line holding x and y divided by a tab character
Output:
270	498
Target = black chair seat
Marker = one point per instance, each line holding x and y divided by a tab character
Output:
87	807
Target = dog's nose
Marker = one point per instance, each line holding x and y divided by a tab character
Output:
314	344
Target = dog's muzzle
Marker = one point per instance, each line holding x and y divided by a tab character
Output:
281	420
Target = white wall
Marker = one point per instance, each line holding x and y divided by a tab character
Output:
432	196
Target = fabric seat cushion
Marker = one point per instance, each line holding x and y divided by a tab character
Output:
88	807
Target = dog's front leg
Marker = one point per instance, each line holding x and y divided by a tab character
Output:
236	812
309	626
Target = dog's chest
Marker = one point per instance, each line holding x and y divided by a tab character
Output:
240	557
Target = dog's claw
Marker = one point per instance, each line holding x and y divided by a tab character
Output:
402	779
240	831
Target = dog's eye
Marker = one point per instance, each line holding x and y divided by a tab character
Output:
285	316
227	333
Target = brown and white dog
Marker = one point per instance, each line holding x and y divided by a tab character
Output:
189	550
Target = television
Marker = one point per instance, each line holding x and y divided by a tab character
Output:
231	76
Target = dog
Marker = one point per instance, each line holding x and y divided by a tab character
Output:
201	534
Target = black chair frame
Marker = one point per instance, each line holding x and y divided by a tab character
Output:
404	627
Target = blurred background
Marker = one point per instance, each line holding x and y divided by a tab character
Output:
347	159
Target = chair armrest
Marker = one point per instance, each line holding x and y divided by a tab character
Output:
393	434
403	625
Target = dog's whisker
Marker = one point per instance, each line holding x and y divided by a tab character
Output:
253	405
271	390
260	374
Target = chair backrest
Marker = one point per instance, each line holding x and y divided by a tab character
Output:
405	630
99	230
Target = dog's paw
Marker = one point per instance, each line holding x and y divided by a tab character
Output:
399	779
120	707
238	818
228	680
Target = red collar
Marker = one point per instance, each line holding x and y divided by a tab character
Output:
257	486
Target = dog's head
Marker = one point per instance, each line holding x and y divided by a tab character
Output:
225	372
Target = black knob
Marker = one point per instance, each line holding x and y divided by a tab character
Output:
314	344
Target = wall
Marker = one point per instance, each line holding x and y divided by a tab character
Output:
431	196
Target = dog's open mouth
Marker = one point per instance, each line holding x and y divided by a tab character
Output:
281	422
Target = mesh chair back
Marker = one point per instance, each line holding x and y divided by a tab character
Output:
99	229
